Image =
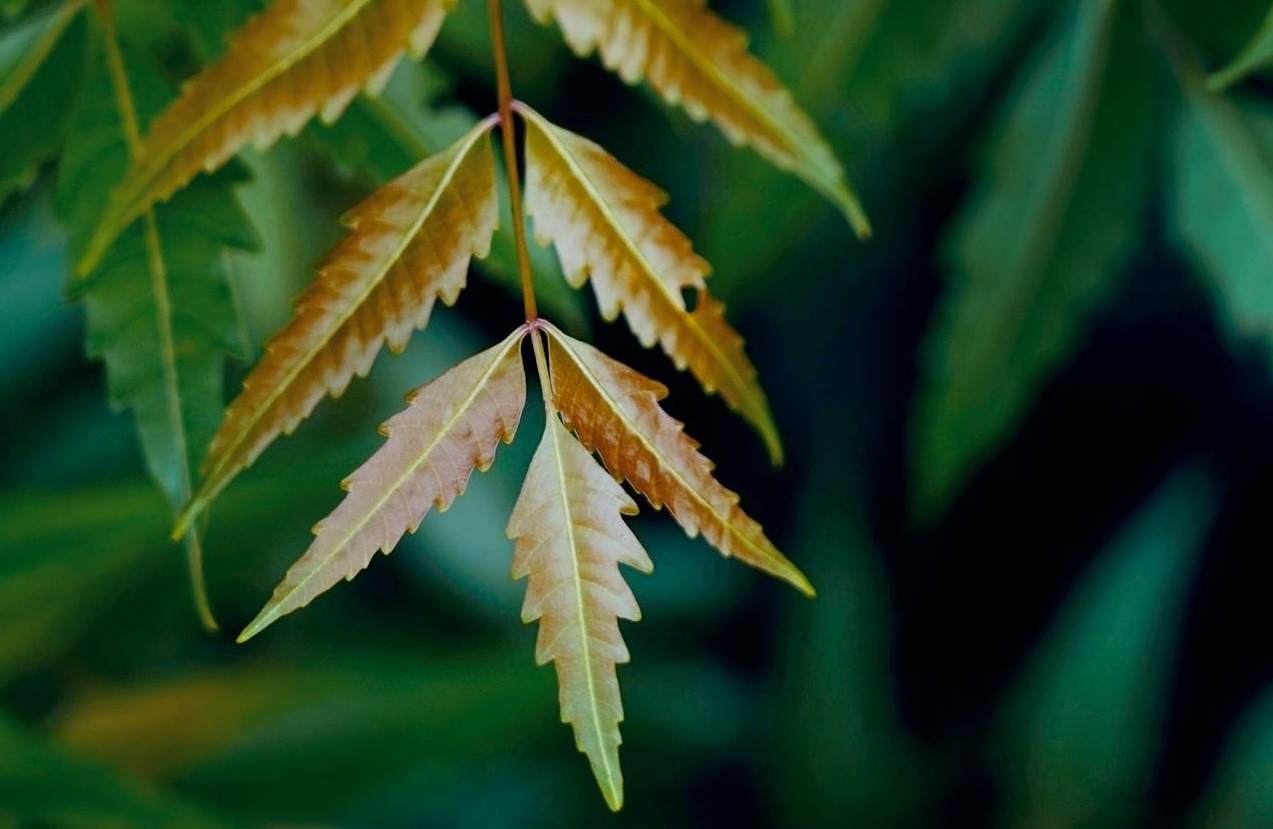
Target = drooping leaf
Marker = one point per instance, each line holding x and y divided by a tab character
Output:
1223	172
606	225
41	72
411	244
571	539
697	60
1079	730
160	313
40	784
615	412
452	426
1040	245
1255	56
298	59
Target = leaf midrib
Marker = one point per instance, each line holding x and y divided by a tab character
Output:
670	468
555	427
307	48
410	469
33	59
791	142
374	284
737	381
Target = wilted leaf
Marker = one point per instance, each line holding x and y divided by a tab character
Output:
41	72
699	61
606	225
1080	731
1040	245
159	308
1257	55
571	539
452	426
615	412
298	59
411	243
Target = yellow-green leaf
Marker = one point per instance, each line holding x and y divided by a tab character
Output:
696	59
298	59
451	427
571	539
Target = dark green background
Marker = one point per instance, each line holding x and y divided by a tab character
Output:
1074	632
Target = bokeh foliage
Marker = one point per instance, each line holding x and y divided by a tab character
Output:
1028	432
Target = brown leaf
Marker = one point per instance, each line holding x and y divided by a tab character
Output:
605	222
297	59
697	60
411	244
615	412
451	427
571	539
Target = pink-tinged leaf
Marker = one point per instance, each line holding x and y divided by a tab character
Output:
451	427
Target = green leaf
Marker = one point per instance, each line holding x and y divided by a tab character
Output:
41	782
160	313
1241	793
784	16
1257	55
1222	165
1040	244
837	690
53	584
41	71
1081	728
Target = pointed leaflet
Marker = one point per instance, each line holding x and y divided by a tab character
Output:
1040	245
451	427
571	539
604	221
1255	56
1223	170
695	59
41	72
616	413
160	313
411	244
297	59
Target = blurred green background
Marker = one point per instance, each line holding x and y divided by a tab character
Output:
1029	431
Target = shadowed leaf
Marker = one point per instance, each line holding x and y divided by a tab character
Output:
615	412
699	61
571	539
606	225
411	243
1081	729
452	426
41	71
298	59
160	313
1255	56
1223	169
1041	244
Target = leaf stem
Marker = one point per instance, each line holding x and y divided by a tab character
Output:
495	15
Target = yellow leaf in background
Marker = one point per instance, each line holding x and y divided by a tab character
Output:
451	427
411	243
605	222
615	412
298	59
697	60
571	539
